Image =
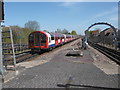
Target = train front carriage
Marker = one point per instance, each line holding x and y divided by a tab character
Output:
38	40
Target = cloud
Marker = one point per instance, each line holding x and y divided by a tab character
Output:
72	6
61	0
68	4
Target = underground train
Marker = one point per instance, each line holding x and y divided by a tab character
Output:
42	41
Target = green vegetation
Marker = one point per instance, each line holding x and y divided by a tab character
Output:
88	32
73	32
19	34
64	31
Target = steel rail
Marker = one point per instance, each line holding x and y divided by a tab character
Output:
112	54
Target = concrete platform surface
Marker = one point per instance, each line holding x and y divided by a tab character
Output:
58	68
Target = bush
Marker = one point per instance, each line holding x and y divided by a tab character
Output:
18	34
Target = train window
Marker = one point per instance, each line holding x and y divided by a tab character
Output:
43	38
58	36
49	39
52	37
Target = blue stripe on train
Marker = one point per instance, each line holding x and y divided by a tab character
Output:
51	45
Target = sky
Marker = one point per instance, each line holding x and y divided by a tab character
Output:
59	15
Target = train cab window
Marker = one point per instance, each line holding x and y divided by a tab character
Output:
37	39
43	38
31	38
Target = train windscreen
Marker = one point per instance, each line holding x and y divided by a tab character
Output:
37	39
31	39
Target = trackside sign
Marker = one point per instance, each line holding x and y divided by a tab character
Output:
1	10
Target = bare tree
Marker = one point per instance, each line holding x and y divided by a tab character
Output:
32	25
65	31
58	31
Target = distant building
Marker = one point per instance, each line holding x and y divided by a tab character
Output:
95	32
107	36
109	31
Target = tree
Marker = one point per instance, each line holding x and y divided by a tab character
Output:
58	31
32	25
46	31
64	31
88	32
73	32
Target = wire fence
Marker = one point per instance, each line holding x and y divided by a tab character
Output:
19	48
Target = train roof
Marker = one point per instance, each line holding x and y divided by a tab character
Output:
54	34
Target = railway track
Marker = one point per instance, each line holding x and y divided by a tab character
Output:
111	53
19	58
26	56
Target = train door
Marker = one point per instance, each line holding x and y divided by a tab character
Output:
61	39
43	40
56	40
64	38
37	39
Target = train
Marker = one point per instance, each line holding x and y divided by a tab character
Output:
44	41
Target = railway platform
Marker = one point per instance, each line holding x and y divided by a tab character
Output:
88	67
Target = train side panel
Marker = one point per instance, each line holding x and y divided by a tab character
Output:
40	41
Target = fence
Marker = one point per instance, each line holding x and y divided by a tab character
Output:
7	49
